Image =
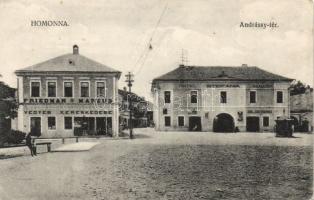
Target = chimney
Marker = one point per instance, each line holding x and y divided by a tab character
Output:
244	65
75	49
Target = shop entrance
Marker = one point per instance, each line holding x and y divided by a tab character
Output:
195	124
35	126
103	125
92	126
252	124
223	123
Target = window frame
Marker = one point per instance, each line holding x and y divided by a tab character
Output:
65	81
47	88
35	81
54	124
179	121
267	122
282	96
255	96
96	88
221	99
89	88
64	124
170	98
169	121
191	96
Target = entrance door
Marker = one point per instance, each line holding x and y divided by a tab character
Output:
195	124
35	126
101	124
223	123
252	124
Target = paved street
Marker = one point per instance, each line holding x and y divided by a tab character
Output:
167	166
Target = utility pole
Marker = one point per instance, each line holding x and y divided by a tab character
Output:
129	80
184	57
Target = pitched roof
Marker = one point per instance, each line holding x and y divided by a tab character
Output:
212	73
68	63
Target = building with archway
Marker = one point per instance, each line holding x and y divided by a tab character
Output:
221	99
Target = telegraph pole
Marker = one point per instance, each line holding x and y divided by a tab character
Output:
129	80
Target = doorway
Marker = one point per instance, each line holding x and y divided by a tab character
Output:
103	125
252	124
35	126
195	124
223	123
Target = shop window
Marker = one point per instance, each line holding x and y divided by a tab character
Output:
67	122
52	91
68	89
35	89
84	89
265	121
167	121
279	97
181	121
167	95
51	123
223	97
193	96
252	96
100	89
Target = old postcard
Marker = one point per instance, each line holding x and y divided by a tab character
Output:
156	99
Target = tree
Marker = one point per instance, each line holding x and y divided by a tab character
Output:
8	110
297	87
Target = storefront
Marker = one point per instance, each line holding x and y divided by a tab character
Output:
69	95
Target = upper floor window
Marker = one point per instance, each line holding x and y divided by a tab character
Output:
194	96
68	89
167	96
223	97
100	89
252	96
52	91
279	97
84	89
35	89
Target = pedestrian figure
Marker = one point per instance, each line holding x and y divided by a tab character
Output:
29	144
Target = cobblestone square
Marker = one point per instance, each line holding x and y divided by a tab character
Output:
167	165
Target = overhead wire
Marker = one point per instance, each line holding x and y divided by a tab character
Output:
146	51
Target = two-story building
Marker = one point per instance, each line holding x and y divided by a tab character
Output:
220	99
68	95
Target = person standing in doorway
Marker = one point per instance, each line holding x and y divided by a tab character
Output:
29	144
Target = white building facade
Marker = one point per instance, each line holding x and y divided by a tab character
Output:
69	95
220	99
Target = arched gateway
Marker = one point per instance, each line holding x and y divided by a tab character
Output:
223	123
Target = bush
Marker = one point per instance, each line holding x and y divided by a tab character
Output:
15	137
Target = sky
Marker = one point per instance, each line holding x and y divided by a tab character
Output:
118	33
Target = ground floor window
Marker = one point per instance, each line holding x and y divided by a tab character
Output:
265	121
51	123
181	121
92	126
67	123
167	121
